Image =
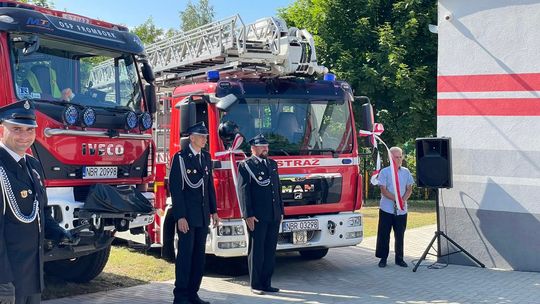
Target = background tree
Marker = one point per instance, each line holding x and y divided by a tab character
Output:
385	51
196	15
44	3
148	32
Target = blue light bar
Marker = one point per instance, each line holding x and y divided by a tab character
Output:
212	76
329	77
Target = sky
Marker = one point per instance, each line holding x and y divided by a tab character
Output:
165	13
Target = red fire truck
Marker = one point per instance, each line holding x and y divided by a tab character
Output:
94	121
260	78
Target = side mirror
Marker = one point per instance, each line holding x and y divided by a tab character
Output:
367	121
188	115
150	97
147	72
225	103
227	131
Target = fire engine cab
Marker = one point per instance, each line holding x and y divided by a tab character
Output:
94	121
260	78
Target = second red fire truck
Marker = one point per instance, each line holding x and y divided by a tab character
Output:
260	78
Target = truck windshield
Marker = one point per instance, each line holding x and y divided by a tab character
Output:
89	76
295	127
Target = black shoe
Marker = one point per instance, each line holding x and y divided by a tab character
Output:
382	263
257	291
197	300
402	263
271	289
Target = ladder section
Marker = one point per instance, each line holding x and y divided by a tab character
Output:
266	46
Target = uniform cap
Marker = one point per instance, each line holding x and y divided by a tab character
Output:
19	113
258	140
198	129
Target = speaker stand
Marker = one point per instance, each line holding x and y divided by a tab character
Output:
438	236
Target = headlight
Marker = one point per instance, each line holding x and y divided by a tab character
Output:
88	117
230	230
70	115
131	120
354	221
145	121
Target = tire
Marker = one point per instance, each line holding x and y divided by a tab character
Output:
79	270
313	254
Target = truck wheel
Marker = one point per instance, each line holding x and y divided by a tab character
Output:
313	254
170	240
79	270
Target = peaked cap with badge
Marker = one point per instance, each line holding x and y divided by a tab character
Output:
197	129
19	113
258	141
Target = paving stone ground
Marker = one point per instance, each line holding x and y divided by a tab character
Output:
351	275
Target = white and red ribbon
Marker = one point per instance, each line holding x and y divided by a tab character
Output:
232	152
374	136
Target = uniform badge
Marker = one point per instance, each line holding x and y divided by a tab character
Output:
29	191
24	194
260	177
188	171
262	173
256	162
194	170
27	105
190	155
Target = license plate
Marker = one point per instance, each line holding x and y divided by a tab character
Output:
100	172
300	225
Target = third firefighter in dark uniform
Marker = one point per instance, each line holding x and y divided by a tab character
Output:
262	208
193	203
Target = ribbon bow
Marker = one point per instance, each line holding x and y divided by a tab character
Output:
374	136
232	152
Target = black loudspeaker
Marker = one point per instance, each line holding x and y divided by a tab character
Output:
433	162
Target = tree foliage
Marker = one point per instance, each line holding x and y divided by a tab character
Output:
384	49
196	15
148	32
43	3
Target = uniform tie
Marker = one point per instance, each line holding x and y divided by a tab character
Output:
22	163
199	158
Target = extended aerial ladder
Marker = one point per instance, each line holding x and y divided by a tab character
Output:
266	47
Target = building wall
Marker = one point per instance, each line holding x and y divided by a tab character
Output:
488	102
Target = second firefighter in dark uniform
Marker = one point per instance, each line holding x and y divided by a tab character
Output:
25	219
259	191
193	206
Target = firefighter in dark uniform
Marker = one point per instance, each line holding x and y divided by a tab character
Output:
25	218
262	208
193	206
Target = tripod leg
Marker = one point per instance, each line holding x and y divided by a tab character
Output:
426	251
463	250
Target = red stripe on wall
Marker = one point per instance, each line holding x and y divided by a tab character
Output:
489	107
489	83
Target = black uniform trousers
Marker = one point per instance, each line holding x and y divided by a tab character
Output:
387	222
189	263
31	299
261	253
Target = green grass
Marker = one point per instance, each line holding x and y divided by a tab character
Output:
128	267
420	213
